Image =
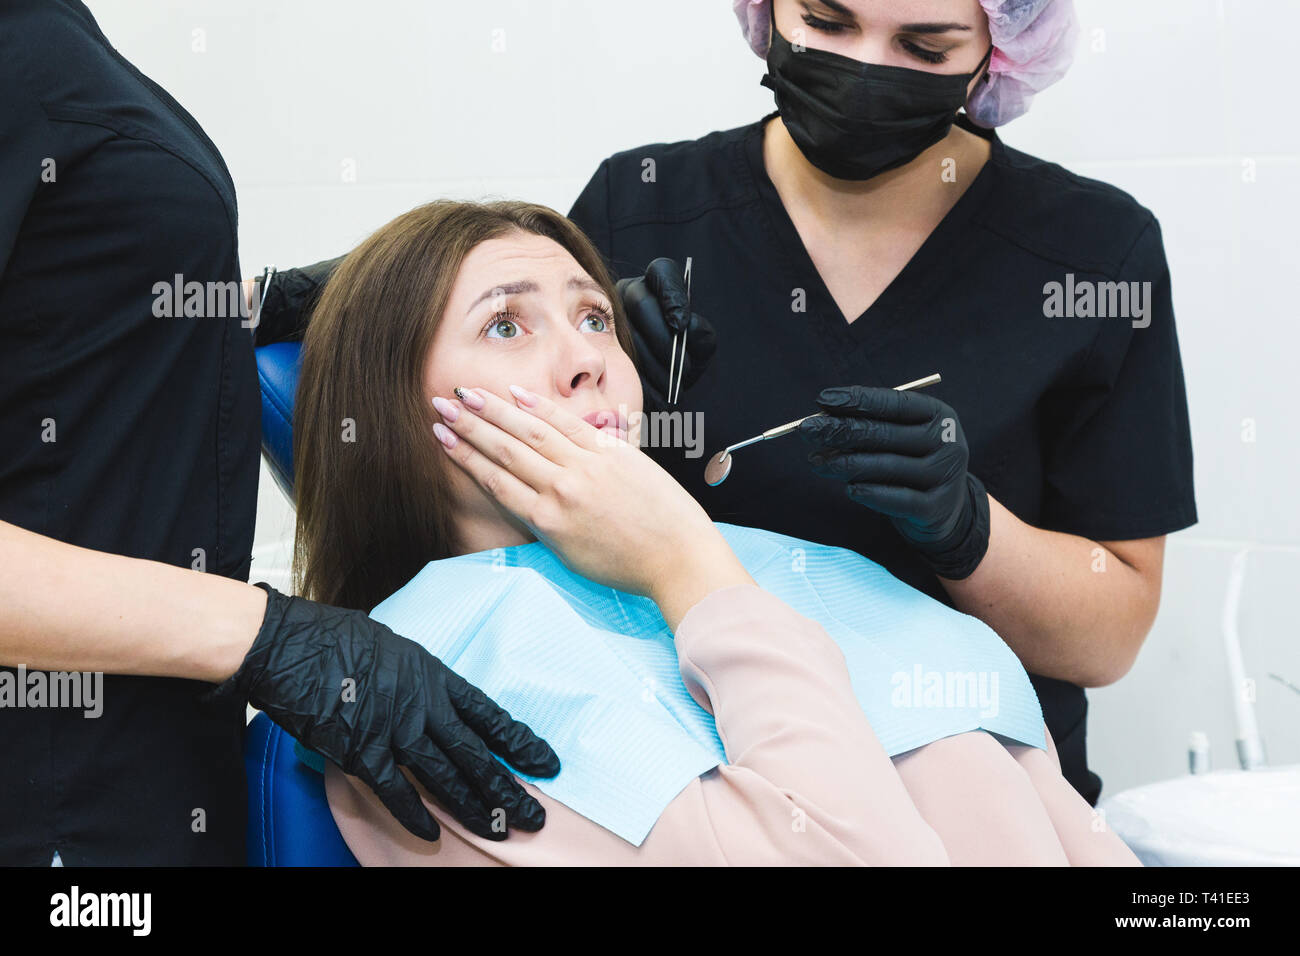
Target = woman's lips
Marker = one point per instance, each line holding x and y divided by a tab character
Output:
608	420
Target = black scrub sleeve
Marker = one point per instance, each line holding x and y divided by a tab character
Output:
590	213
23	161
1118	443
289	301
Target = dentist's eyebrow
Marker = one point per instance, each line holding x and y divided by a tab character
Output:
932	27
837	7
528	285
904	28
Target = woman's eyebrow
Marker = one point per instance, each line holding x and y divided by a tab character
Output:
528	285
585	282
509	288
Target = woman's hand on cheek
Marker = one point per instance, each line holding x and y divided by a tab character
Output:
609	511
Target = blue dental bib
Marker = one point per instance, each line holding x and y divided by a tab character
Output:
594	671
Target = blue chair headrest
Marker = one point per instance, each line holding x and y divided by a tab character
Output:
289	819
277	374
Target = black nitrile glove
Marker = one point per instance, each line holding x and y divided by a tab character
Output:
351	690
904	455
656	308
289	301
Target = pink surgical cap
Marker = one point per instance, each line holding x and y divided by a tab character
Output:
1033	44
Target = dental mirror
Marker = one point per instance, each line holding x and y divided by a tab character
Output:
719	466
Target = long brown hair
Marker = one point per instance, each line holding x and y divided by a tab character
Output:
371	487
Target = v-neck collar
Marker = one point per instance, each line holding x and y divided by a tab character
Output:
889	316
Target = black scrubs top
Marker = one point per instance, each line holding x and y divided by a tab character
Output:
156	429
1075	424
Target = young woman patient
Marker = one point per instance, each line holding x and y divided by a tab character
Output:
464	384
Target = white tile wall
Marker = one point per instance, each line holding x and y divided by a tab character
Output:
1167	99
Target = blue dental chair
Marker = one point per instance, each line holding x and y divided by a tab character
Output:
289	821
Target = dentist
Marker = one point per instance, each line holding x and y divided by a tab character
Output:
875	228
128	465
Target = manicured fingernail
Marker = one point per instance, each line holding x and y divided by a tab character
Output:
524	396
444	434
445	408
470	397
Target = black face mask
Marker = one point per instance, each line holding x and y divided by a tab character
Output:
854	120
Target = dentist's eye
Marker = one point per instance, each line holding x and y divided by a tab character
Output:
824	26
503	325
921	53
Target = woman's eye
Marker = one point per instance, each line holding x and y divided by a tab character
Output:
503	325
929	56
825	26
602	322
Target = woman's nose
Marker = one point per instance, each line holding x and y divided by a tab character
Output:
580	363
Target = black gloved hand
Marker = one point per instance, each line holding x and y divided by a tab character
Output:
351	690
656	308
289	300
904	455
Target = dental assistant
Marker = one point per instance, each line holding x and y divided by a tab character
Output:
867	233
128	462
